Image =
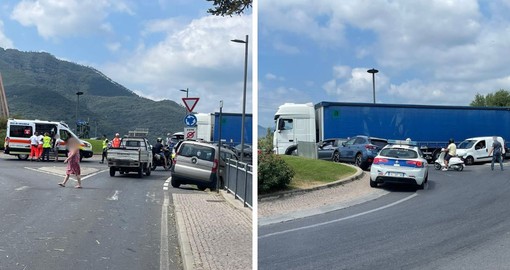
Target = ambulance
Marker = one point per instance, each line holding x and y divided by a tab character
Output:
17	142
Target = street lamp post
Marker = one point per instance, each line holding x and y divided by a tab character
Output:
78	94
373	71
219	147
244	90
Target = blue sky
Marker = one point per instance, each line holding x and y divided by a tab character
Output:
427	52
153	47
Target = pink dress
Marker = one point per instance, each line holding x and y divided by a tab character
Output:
73	165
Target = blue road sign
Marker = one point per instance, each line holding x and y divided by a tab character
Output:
190	120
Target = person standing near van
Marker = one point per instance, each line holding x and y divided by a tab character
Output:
39	146
46	147
497	153
33	146
116	141
56	143
73	162
105	149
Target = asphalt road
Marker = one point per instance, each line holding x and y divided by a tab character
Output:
460	221
112	223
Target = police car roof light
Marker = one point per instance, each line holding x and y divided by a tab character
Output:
403	142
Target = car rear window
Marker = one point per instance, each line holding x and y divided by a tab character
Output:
379	142
20	131
398	153
199	151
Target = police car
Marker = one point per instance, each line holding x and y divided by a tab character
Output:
399	162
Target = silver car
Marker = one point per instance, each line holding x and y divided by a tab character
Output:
199	164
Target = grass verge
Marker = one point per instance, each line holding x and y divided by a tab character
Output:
312	172
97	146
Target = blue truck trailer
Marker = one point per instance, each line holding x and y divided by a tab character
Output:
430	125
231	128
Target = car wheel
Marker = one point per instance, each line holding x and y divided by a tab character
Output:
175	183
112	171
470	160
23	157
422	186
358	160
336	157
373	184
201	188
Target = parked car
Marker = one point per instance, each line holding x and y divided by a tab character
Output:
477	149
401	162
328	149
248	152
199	164
361	150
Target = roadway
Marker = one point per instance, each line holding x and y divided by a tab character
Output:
461	220
112	223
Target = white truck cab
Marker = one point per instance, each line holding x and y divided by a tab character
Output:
17	140
477	149
294	123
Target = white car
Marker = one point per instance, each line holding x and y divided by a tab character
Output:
399	162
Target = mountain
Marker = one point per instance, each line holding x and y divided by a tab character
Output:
262	131
40	86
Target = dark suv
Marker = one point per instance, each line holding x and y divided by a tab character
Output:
361	150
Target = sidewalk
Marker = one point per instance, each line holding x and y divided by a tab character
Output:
317	201
213	234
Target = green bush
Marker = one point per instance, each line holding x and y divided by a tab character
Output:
273	173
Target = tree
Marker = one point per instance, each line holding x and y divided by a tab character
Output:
266	143
229	7
500	98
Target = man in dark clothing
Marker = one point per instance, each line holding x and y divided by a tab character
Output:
497	153
158	149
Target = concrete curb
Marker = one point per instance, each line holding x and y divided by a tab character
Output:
229	198
278	195
184	242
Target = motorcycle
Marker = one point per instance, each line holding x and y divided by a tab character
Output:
158	160
455	163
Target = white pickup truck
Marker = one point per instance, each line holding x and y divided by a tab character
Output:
133	155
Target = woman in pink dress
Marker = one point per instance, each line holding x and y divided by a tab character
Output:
73	162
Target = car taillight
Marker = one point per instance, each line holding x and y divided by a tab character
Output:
418	164
215	166
379	160
370	147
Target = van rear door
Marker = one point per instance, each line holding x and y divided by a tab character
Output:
17	139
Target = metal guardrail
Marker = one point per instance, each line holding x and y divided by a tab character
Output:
239	181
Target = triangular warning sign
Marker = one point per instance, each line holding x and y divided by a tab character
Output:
190	103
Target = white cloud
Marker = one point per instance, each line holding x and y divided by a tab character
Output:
273	77
55	19
198	56
113	46
5	42
285	48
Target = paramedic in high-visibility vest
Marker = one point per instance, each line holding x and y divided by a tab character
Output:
116	141
46	147
105	149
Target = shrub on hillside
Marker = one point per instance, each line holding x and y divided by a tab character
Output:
273	173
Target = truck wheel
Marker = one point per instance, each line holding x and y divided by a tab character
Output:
112	171
336	157
175	183
470	160
148	170
23	157
292	151
140	172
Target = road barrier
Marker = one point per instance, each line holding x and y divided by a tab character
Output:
239	181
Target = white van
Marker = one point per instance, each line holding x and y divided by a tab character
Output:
477	149
17	142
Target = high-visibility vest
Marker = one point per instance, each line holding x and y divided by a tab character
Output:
105	144
116	142
46	142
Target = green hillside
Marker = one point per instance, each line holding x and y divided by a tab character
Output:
40	86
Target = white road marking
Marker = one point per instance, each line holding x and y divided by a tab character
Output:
164	260
21	188
114	197
93	174
167	182
341	219
62	175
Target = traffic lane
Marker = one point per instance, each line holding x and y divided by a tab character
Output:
433	225
54	228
